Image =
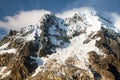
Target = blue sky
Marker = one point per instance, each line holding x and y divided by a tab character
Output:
13	7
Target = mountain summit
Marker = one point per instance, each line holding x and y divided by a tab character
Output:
84	46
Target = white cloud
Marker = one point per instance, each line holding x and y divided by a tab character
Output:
116	20
23	19
71	12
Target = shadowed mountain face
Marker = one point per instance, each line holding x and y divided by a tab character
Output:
85	46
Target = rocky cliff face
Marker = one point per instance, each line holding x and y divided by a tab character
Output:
85	46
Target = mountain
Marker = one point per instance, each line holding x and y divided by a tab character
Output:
84	46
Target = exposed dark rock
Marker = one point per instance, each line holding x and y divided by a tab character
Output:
107	67
12	33
71	73
45	42
5	59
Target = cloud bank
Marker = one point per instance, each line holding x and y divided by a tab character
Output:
71	12
100	5
23	19
116	20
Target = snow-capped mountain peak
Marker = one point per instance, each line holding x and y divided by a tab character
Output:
81	46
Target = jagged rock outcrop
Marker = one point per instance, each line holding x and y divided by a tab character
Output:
108	65
53	35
